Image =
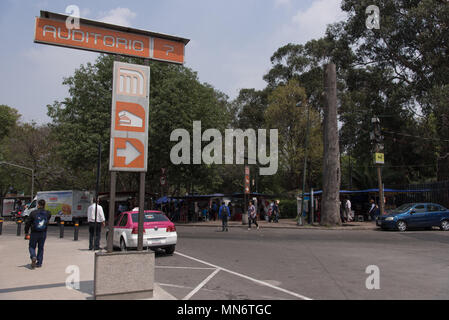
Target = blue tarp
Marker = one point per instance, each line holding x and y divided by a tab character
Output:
373	190
163	200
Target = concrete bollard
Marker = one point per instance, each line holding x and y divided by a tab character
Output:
76	228
61	229
19	227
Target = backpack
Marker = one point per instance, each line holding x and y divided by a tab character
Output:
40	221
225	209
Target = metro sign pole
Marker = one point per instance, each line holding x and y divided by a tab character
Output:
129	129
247	191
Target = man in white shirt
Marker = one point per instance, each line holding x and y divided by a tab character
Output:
95	227
348	210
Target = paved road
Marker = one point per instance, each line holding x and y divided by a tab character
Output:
300	264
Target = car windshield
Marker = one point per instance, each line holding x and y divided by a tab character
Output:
403	208
150	217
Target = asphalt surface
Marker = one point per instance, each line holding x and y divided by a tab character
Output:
273	264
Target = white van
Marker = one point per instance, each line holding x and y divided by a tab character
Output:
67	206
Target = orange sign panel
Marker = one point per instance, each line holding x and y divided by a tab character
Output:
168	50
129	153
91	38
129	117
131	82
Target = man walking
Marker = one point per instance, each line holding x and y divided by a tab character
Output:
252	215
348	210
95	224
372	209
38	222
276	211
224	214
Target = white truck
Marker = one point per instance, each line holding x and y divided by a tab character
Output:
67	206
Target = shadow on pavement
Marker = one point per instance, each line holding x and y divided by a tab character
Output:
85	287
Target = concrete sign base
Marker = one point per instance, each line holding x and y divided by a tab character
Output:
124	275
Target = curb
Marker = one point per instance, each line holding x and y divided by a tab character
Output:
281	227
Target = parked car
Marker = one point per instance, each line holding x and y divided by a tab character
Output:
159	231
415	215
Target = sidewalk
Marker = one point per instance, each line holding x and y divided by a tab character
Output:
284	224
19	282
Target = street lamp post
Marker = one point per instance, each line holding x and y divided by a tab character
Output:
32	175
299	223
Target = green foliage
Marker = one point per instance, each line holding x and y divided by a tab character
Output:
291	122
408	71
177	99
8	120
288	208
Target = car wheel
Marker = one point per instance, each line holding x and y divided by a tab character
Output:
444	225
122	245
402	226
169	250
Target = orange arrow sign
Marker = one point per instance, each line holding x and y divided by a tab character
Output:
128	153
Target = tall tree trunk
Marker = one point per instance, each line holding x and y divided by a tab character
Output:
331	161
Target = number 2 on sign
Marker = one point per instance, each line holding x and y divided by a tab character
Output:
170	49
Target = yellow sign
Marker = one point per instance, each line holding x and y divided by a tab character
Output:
379	158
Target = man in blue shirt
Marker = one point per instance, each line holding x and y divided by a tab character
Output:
224	215
37	222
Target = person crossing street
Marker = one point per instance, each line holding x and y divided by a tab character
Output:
252	215
224	215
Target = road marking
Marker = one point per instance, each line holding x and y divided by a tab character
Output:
173	285
190	268
246	277
187	297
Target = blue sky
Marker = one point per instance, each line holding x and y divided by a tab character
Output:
231	41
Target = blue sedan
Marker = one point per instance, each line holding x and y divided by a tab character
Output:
415	215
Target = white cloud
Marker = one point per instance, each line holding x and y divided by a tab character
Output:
311	23
119	16
247	70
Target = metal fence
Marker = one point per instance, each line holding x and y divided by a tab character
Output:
436	192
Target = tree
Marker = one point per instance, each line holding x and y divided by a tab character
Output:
331	157
8	120
33	146
177	98
411	45
291	121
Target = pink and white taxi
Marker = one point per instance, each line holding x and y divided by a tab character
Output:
159	231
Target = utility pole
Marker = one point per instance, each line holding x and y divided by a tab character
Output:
304	172
379	158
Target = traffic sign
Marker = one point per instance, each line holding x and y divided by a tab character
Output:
129	119
247	180
379	158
